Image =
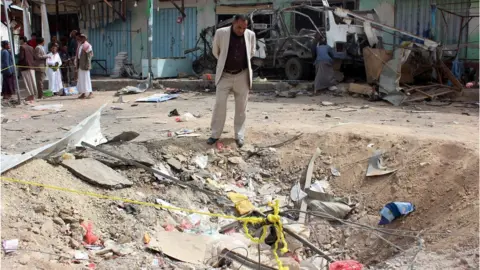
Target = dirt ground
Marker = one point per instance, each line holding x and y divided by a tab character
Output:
434	146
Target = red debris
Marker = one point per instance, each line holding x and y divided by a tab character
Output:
346	265
89	238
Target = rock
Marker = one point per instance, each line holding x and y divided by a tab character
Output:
122	251
47	228
175	163
96	173
70	220
327	103
124	239
39	208
235	160
58	221
181	158
24	259
74	243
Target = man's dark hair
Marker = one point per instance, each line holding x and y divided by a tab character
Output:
40	40
240	17
78	34
24	39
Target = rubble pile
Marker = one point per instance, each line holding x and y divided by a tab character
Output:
175	203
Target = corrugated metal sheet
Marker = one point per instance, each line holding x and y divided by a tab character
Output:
416	16
108	41
232	10
167	33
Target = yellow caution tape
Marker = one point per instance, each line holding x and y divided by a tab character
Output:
272	219
32	67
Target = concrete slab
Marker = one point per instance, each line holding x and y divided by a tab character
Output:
130	150
96	173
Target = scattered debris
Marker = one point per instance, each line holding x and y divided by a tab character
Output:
129	90
394	210
375	165
89	237
49	107
236	160
346	265
327	103
125	136
186	117
242	204
308	181
158	98
286	94
10	245
330	210
173	112
80	255
348	110
296	193
360	89
201	161
334	172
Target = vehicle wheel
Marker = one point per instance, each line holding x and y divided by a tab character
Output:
296	69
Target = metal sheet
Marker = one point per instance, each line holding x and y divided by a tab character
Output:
416	16
108	41
232	10
167	33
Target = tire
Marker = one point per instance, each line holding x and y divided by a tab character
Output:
296	69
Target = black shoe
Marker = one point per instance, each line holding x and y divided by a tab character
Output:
240	142
211	141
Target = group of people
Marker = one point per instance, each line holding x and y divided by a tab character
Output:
34	62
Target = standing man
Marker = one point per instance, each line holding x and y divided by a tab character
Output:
84	64
33	42
53	42
8	78
233	46
72	43
40	58
26	62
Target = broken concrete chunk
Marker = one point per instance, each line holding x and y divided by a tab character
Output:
235	160
96	173
175	163
130	150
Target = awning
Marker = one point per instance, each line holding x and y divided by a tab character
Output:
231	10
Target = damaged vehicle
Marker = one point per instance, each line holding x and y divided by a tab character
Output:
282	51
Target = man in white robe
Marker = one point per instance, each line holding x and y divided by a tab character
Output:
53	72
84	65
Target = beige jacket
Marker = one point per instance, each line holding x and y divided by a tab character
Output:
221	42
40	57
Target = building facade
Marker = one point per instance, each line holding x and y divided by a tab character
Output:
172	36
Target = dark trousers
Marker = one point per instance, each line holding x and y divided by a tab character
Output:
40	77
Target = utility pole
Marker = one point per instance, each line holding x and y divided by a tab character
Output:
150	41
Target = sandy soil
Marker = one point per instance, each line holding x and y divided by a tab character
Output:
436	154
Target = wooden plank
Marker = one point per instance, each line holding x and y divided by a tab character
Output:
308	181
449	75
418	97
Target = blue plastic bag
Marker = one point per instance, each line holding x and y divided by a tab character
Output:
394	210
